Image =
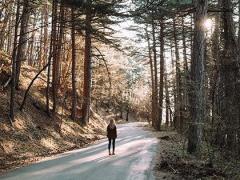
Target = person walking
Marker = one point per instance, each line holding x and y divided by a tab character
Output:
112	135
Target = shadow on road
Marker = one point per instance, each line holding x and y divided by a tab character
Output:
134	151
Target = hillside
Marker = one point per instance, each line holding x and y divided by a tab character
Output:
35	135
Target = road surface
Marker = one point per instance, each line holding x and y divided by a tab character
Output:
135	150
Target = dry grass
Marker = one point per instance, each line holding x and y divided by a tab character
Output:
173	162
34	135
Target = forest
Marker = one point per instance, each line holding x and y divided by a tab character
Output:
67	67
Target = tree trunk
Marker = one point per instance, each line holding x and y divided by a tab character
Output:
162	64
121	113
10	34
152	79
22	45
45	38
74	90
30	85
5	25
178	109
186	75
40	54
230	76
174	123
31	46
167	100
127	114
239	24
14	56
156	115
217	85
197	78
87	67
57	47
52	53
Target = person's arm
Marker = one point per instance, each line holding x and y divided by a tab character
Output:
107	131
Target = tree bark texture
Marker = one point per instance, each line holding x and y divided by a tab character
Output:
197	78
87	67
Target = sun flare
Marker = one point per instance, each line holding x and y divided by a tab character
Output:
208	24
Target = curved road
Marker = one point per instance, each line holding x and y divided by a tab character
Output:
135	149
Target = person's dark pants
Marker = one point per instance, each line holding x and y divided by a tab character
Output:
111	141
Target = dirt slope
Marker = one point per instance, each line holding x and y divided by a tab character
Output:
33	134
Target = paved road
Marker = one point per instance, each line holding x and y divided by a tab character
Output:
135	149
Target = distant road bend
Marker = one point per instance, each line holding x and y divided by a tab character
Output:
135	150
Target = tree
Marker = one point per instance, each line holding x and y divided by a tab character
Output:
156	116
14	59
23	38
162	64
87	65
197	78
57	52
74	90
230	77
178	110
153	107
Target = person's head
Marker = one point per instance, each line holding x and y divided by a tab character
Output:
112	122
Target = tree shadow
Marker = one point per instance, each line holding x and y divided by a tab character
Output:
83	162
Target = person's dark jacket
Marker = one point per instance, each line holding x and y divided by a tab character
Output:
112	132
